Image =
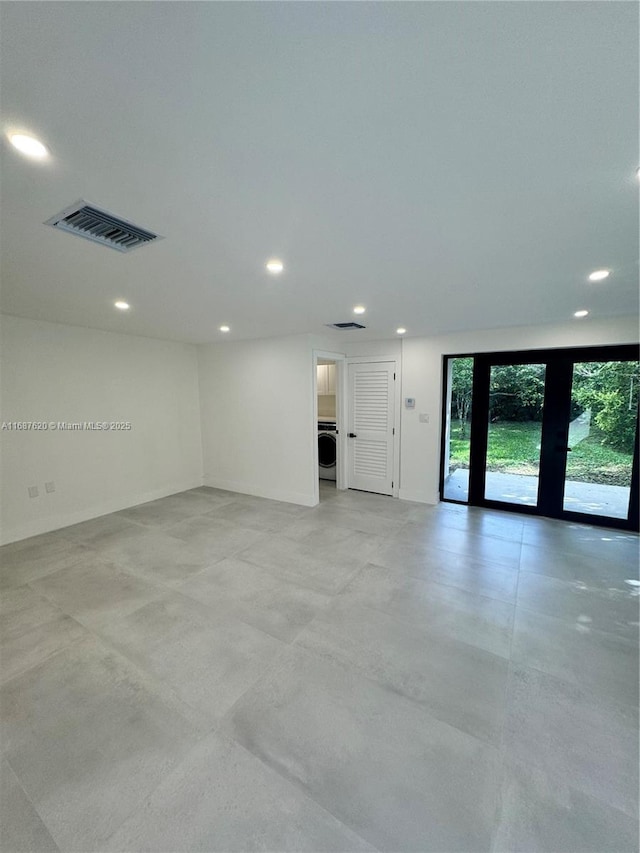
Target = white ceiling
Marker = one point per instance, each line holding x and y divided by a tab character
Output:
450	165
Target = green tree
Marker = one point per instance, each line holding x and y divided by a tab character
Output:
517	392
461	391
610	390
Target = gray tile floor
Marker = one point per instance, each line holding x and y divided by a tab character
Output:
218	672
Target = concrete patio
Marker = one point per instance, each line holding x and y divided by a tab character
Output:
591	498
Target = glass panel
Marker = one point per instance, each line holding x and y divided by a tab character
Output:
516	395
604	409
458	429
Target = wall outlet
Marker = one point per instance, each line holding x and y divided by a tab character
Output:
424	418
50	487
33	491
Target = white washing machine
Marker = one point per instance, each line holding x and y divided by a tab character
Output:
327	448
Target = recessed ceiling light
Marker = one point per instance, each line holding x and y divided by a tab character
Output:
274	266
28	145
599	275
359	309
581	313
123	306
225	328
400	331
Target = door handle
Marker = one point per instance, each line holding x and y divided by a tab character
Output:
562	449
352	435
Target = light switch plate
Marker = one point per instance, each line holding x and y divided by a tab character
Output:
33	491
424	418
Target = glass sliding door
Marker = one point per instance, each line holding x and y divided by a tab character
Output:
514	441
602	437
547	432
457	455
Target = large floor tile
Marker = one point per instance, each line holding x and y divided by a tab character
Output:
381	505
471	569
463	543
21	609
591	567
97	592
103	530
613	609
20	566
47	542
26	649
498	525
256	596
573	737
207	657
212	494
221	798
89	738
217	539
158	557
580	539
329	517
169	510
467	571
447	610
323	560
21	829
397	776
126	641
474	575
603	663
414	558
243	514
457	683
538	816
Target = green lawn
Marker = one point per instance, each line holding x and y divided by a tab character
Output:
515	448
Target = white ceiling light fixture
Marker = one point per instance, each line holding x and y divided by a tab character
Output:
401	330
225	328
359	309
599	275
582	313
121	305
28	145
274	266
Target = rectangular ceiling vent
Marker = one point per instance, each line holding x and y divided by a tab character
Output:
345	326
97	225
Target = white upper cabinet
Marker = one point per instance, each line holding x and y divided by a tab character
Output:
326	379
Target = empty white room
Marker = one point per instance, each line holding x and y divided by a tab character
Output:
319	427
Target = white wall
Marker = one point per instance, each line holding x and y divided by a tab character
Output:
241	411
52	372
422	378
257	407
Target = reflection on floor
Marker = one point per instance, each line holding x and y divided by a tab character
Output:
213	671
591	498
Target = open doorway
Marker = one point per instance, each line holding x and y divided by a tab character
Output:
328	432
329	449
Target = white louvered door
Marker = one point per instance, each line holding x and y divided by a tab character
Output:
370	433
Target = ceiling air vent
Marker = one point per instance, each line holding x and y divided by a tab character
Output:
351	325
101	227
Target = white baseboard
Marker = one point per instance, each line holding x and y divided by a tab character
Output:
66	519
419	497
257	491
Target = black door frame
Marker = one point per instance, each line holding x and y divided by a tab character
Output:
555	430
